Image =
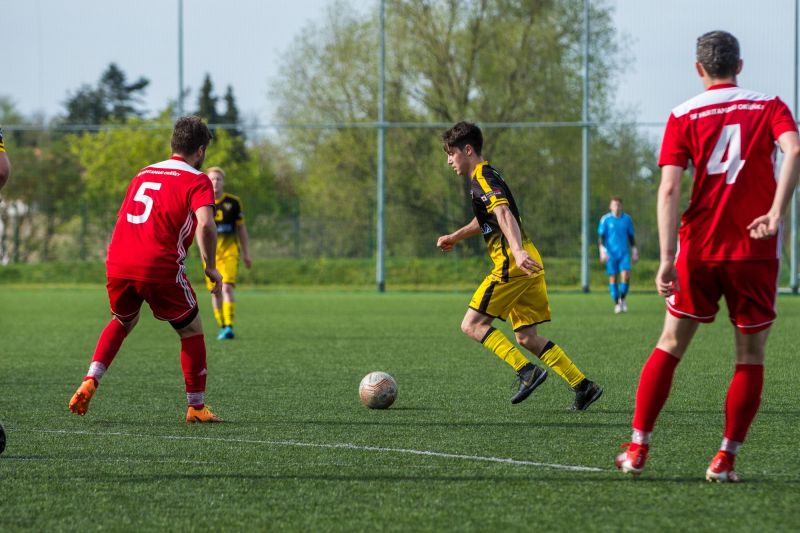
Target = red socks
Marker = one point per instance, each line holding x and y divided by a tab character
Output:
654	386
193	363
108	346
743	400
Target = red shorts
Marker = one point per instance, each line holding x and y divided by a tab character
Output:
168	301
750	289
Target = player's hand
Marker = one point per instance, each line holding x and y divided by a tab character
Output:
214	275
446	243
667	278
526	263
634	254
764	226
248	262
603	257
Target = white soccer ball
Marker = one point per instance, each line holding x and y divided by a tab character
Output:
377	390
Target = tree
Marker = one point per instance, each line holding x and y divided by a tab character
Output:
450	60
112	99
207	102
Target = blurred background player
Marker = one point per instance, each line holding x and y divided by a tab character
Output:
231	238
729	134
614	233
5	164
164	206
516	287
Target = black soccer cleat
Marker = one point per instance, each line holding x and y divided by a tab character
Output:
586	393
530	377
2	438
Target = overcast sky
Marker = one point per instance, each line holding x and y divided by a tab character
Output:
51	47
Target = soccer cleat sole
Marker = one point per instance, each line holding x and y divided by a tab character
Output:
524	396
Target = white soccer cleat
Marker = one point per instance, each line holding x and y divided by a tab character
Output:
617	308
623	305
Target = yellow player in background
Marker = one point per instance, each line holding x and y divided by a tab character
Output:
231	239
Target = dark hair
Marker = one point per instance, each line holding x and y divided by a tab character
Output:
189	134
616	199
718	52
462	134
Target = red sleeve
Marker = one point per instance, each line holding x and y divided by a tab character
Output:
201	192
782	119
674	150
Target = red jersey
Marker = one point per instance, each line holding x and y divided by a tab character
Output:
156	223
729	134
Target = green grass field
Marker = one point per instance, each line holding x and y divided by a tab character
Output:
299	452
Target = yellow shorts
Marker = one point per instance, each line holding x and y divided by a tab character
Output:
522	299
228	266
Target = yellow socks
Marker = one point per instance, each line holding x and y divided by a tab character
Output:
228	311
218	316
504	349
554	357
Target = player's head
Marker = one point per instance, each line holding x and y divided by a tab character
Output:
190	138
615	205
463	144
718	55
217	177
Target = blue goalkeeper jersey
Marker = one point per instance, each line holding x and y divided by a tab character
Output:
616	233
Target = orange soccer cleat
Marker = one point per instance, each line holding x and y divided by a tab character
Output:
201	416
79	403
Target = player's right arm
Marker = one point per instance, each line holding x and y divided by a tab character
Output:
5	164
669	200
767	225
207	243
448	242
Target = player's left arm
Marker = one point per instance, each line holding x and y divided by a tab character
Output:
510	228
244	243
632	241
767	225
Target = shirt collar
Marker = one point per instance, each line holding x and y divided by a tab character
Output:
721	86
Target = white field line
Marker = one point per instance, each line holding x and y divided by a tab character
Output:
335	446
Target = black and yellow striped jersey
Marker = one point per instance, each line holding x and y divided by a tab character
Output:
489	190
228	215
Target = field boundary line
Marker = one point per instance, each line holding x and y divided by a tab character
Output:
335	446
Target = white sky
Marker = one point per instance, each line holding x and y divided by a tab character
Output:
52	47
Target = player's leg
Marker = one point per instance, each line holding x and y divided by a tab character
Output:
625	278
176	303
193	364
613	287
487	303
551	354
655	382
229	267
216	300
228	310
750	294
125	304
741	403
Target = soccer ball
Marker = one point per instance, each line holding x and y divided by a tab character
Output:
377	390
